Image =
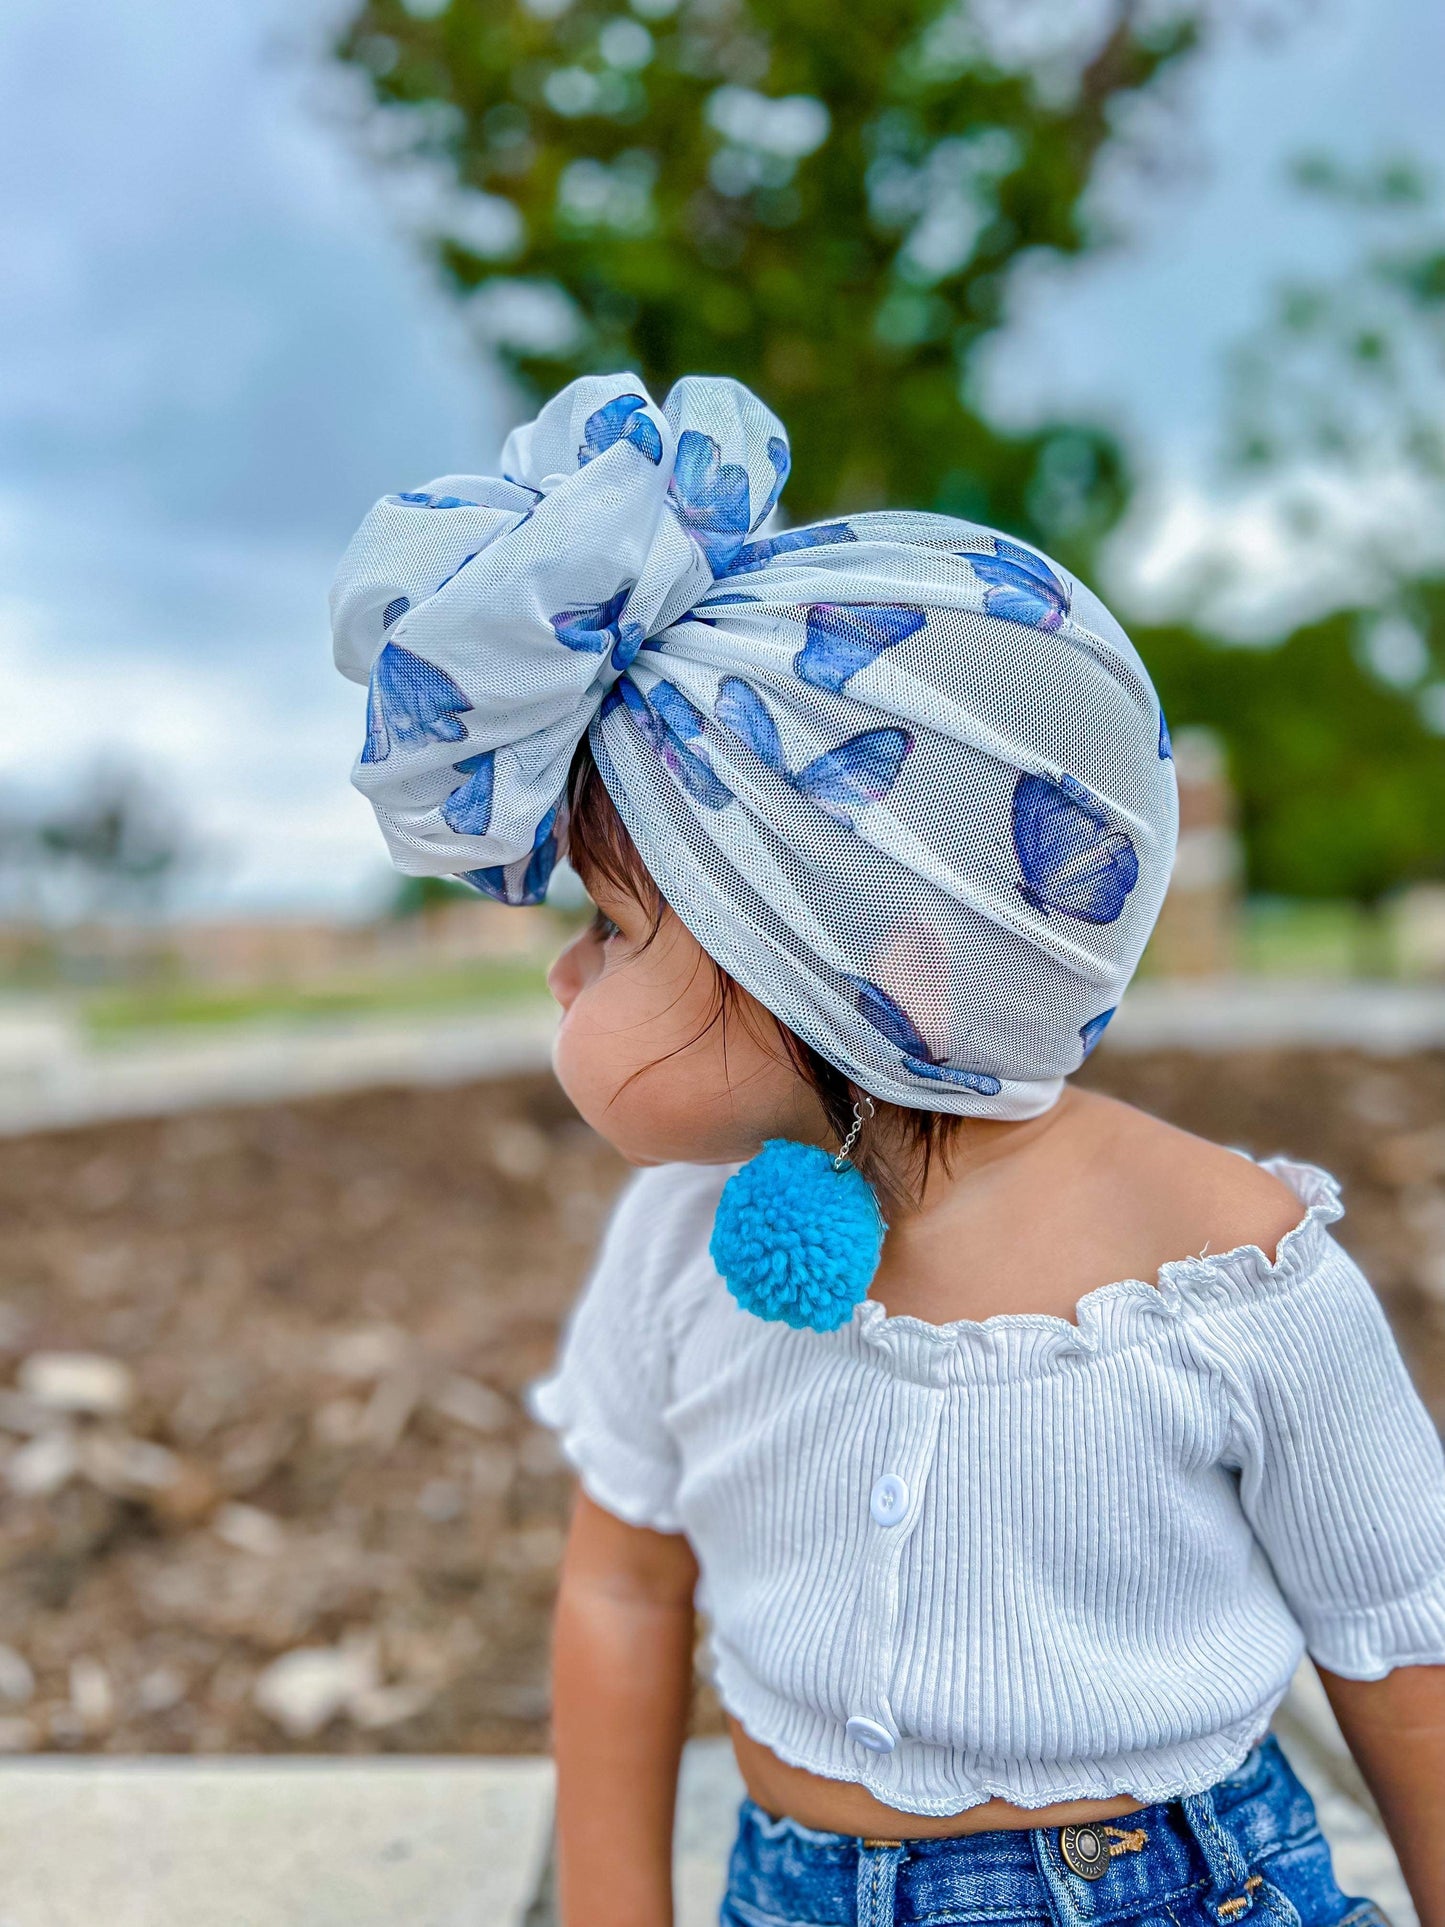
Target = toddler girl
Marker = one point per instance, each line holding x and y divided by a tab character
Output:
1010	1535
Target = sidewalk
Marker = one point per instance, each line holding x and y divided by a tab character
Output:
50	1076
421	1843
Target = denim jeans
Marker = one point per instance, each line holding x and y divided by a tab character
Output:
1248	1851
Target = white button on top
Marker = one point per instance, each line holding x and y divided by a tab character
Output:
869	1733
889	1500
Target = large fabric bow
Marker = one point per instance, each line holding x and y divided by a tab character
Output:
902	777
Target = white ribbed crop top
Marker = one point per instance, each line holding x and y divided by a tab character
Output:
1021	1557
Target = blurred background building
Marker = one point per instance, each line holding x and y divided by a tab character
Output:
1158	286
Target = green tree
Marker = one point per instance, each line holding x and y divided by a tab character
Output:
1341	389
1338	768
821	197
1336	735
113	849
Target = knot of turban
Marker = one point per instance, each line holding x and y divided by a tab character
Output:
902	777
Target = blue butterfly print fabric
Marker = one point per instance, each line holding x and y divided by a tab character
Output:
1166	745
781	458
677	730
620	421
1021	586
828	741
820	535
418	499
410	702
844	638
842	781
712	497
468	810
1073	860
893	1022
1090	1033
526	880
600	627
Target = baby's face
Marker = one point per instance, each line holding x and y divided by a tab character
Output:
648	1062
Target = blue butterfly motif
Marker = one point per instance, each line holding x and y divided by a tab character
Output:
526	880
712	498
894	1023
417	499
1072	860
456	571
468	810
677	731
394	611
1090	1033
593	629
782	461
713	602
1166	742
845	637
1021	586
410	701
842	780
620	421
757	555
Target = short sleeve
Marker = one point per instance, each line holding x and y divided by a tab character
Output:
607	1397
1342	1475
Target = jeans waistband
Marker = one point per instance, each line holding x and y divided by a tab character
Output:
1205	1845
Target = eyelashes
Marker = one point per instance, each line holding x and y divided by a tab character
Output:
602	927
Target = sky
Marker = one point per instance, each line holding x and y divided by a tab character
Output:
219	343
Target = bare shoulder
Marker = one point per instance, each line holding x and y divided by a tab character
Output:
1183	1194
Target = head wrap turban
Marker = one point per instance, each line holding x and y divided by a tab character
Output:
901	777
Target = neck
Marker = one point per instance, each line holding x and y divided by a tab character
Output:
978	1151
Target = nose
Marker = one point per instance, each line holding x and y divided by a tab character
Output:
569	973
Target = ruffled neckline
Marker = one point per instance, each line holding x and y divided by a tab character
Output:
1118	1313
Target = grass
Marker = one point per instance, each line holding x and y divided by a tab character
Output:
115	1015
1276	938
1281	937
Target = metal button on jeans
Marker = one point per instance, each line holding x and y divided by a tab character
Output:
869	1733
1085	1852
889	1500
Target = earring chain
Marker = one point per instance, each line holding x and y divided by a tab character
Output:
852	1138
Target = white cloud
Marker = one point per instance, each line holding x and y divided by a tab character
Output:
259	786
1256	563
217	347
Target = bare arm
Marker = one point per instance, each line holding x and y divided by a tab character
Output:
1395	1727
622	1678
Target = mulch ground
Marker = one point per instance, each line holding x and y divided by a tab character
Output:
326	1312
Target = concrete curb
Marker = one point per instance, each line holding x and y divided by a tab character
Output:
426	1842
71	1084
50	1078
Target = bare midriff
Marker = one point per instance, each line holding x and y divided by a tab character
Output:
837	1806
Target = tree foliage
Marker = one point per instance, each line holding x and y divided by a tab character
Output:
1337	735
825	198
1345	377
822	199
111	848
1338	767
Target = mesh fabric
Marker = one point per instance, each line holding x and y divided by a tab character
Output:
902	777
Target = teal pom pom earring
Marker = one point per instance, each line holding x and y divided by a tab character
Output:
798	1233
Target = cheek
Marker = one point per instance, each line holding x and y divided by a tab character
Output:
634	1056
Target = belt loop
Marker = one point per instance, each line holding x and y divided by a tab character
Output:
1228	1869
1231	1890
877	1881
